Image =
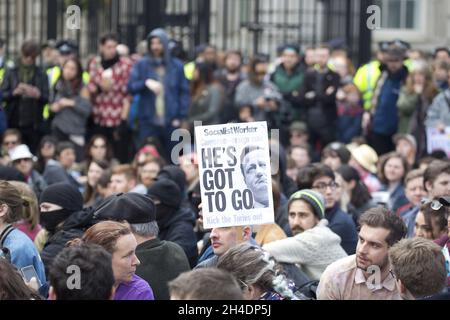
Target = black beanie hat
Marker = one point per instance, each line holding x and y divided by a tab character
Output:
132	207
167	192
63	194
174	173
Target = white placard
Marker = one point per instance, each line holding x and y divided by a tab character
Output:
235	174
438	141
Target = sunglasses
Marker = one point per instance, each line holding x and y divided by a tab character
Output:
434	204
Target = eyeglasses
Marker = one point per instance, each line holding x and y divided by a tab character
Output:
21	160
322	186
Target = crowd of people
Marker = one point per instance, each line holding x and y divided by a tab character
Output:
88	177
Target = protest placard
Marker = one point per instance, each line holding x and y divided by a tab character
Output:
235	174
437	140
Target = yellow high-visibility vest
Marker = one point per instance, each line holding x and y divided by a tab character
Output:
189	69
2	74
53	75
366	79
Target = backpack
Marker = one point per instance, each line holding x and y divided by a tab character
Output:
4	252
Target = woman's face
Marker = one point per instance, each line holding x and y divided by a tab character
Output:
48	150
98	149
418	79
70	70
340	66
393	170
341	188
300	157
149	172
333	161
94	174
124	260
422	229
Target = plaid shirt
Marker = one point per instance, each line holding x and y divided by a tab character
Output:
107	106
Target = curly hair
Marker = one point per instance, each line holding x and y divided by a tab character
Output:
253	266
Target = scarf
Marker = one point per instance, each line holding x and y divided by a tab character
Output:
26	73
106	64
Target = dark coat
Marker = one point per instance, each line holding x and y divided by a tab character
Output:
24	112
161	262
55	173
73	227
179	228
342	224
321	109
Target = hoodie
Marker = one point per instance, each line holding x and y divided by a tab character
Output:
176	86
179	228
162	36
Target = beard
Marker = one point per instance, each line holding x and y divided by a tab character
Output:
297	230
233	69
366	263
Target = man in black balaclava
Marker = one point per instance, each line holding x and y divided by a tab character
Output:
175	222
57	203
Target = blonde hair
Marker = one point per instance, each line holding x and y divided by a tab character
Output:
31	211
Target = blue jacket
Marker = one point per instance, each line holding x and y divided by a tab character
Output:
348	127
397	198
176	86
24	253
385	119
342	224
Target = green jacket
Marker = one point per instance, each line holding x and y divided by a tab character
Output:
289	85
406	104
161	262
285	82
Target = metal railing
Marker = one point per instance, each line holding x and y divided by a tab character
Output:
249	25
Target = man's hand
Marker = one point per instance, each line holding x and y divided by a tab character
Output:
154	86
176	123
64	102
33	284
261	102
31	91
310	95
441	127
340	95
106	85
365	122
330	90
19	90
